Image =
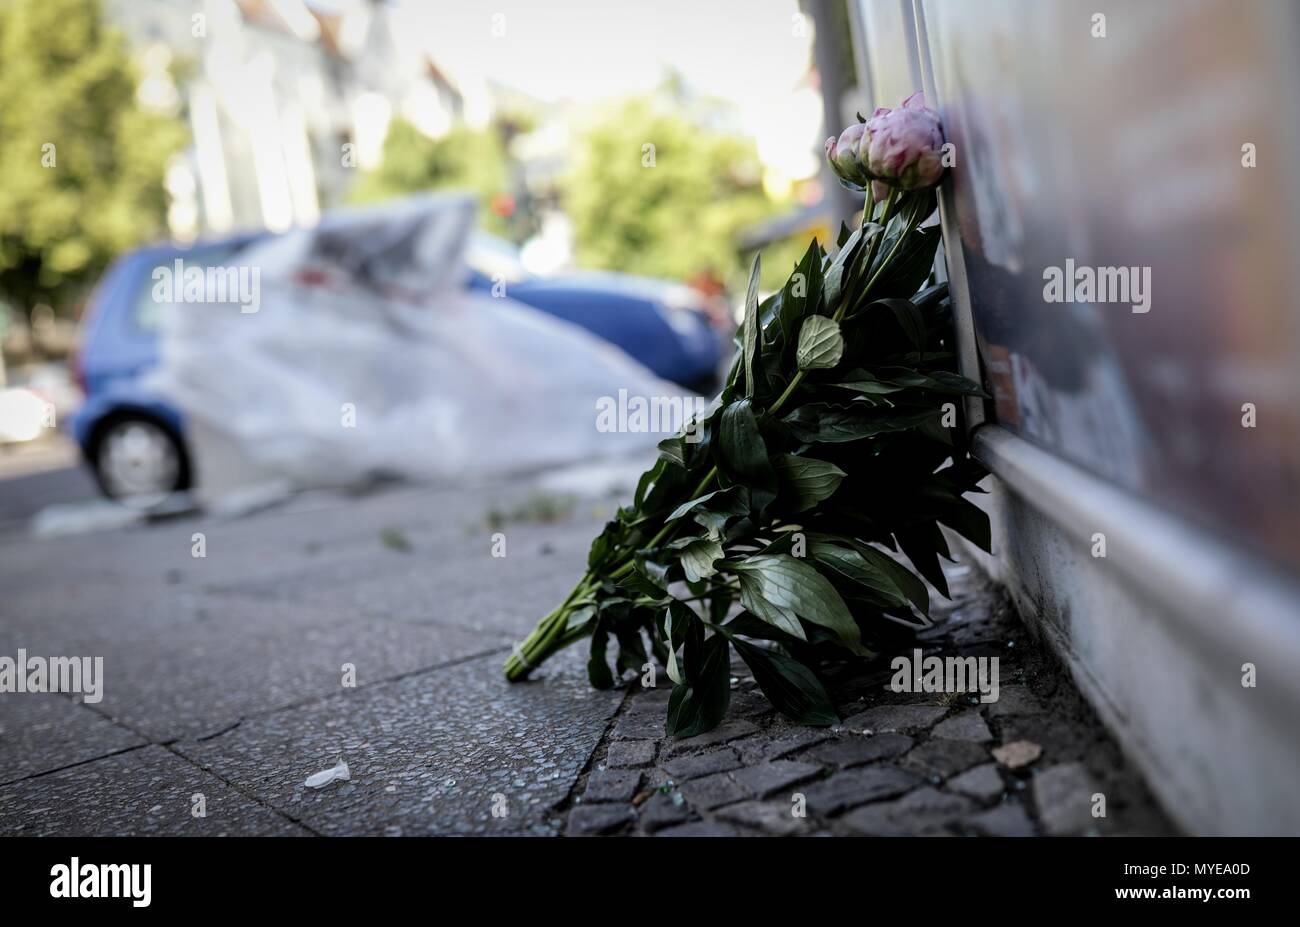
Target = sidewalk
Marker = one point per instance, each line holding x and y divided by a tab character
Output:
224	678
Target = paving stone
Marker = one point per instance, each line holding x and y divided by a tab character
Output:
1014	700
591	820
144	792
776	776
1063	797
856	749
664	809
703	764
968	726
855	787
762	747
643	726
612	785
924	812
40	732
446	742
727	731
699	829
630	753
713	791
982	782
905	718
771	817
1005	820
944	758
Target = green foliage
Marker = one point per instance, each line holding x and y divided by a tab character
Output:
674	219
833	452
464	158
66	80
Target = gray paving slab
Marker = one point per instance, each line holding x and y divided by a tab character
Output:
40	732
435	753
146	792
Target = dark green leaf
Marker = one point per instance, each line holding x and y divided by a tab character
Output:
808	480
790	686
700	705
820	343
781	583
752	330
743	454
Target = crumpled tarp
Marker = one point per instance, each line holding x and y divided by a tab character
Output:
367	356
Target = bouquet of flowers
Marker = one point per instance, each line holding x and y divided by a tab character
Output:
775	524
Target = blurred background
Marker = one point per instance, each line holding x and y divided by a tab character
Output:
621	153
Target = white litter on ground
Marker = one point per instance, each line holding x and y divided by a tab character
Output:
339	773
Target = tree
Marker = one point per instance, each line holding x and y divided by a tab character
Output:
83	163
464	158
654	193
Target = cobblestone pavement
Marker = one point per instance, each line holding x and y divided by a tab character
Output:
1028	764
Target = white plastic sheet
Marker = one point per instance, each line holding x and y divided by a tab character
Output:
367	357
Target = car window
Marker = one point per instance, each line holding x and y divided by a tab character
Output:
146	311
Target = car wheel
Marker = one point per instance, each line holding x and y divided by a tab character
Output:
139	462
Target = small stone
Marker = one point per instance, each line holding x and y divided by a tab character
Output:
630	753
1063	797
1018	753
857	787
920	813
612	785
885	718
704	764
861	748
769	778
982	782
588	820
944	758
1007	820
968	726
771	817
713	791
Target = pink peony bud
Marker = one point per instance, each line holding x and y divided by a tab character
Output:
902	147
842	153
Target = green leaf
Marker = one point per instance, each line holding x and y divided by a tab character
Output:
779	582
743	453
903	578
883	587
862	382
752	331
697	557
820	343
700	705
790	686
598	672
938	381
809	480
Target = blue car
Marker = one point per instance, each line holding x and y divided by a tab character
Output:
134	440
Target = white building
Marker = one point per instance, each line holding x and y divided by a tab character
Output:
284	101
